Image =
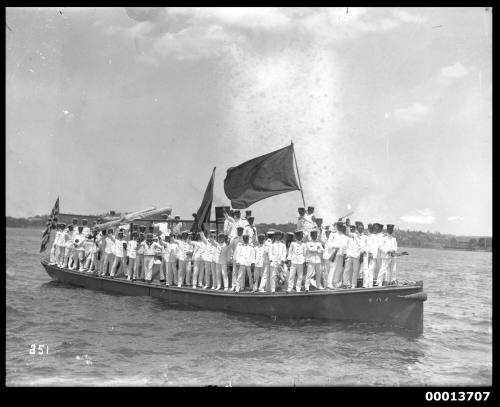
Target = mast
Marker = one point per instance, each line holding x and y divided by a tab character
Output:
298	175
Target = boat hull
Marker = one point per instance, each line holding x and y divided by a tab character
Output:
400	306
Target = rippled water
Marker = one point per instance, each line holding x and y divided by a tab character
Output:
100	339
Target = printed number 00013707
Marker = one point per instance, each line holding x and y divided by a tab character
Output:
457	396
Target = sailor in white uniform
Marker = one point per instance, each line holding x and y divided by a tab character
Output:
245	257
79	253
109	253
151	249
297	257
260	251
372	250
339	243
314	254
251	231
68	246
131	255
234	242
176	229
277	257
183	246
86	228
198	262
228	222
163	227
265	282
388	248
120	251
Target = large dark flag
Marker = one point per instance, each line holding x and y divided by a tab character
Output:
262	177
51	224
203	214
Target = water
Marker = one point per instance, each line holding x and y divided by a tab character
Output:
98	339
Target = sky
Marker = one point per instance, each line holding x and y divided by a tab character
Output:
389	110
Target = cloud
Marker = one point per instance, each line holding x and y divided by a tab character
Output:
454	71
241	25
409	17
412	113
423	216
454	218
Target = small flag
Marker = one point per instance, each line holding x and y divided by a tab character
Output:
51	224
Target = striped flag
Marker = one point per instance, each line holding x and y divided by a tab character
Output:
51	224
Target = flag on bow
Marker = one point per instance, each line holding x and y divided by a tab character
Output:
203	214
261	177
51	224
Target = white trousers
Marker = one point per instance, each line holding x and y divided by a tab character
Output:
118	267
52	256
171	272
108	260
265	278
387	270
130	267
368	277
234	275
182	272
240	281
257	277
90	263
148	267
336	271
213	270
295	269
222	272
351	272
198	265
313	269
139	267
208	272
68	252
59	255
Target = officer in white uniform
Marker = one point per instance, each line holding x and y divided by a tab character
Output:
297	256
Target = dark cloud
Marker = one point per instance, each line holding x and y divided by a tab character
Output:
144	13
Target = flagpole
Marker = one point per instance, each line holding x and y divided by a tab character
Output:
298	175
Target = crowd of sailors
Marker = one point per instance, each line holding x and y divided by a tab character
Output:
328	256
